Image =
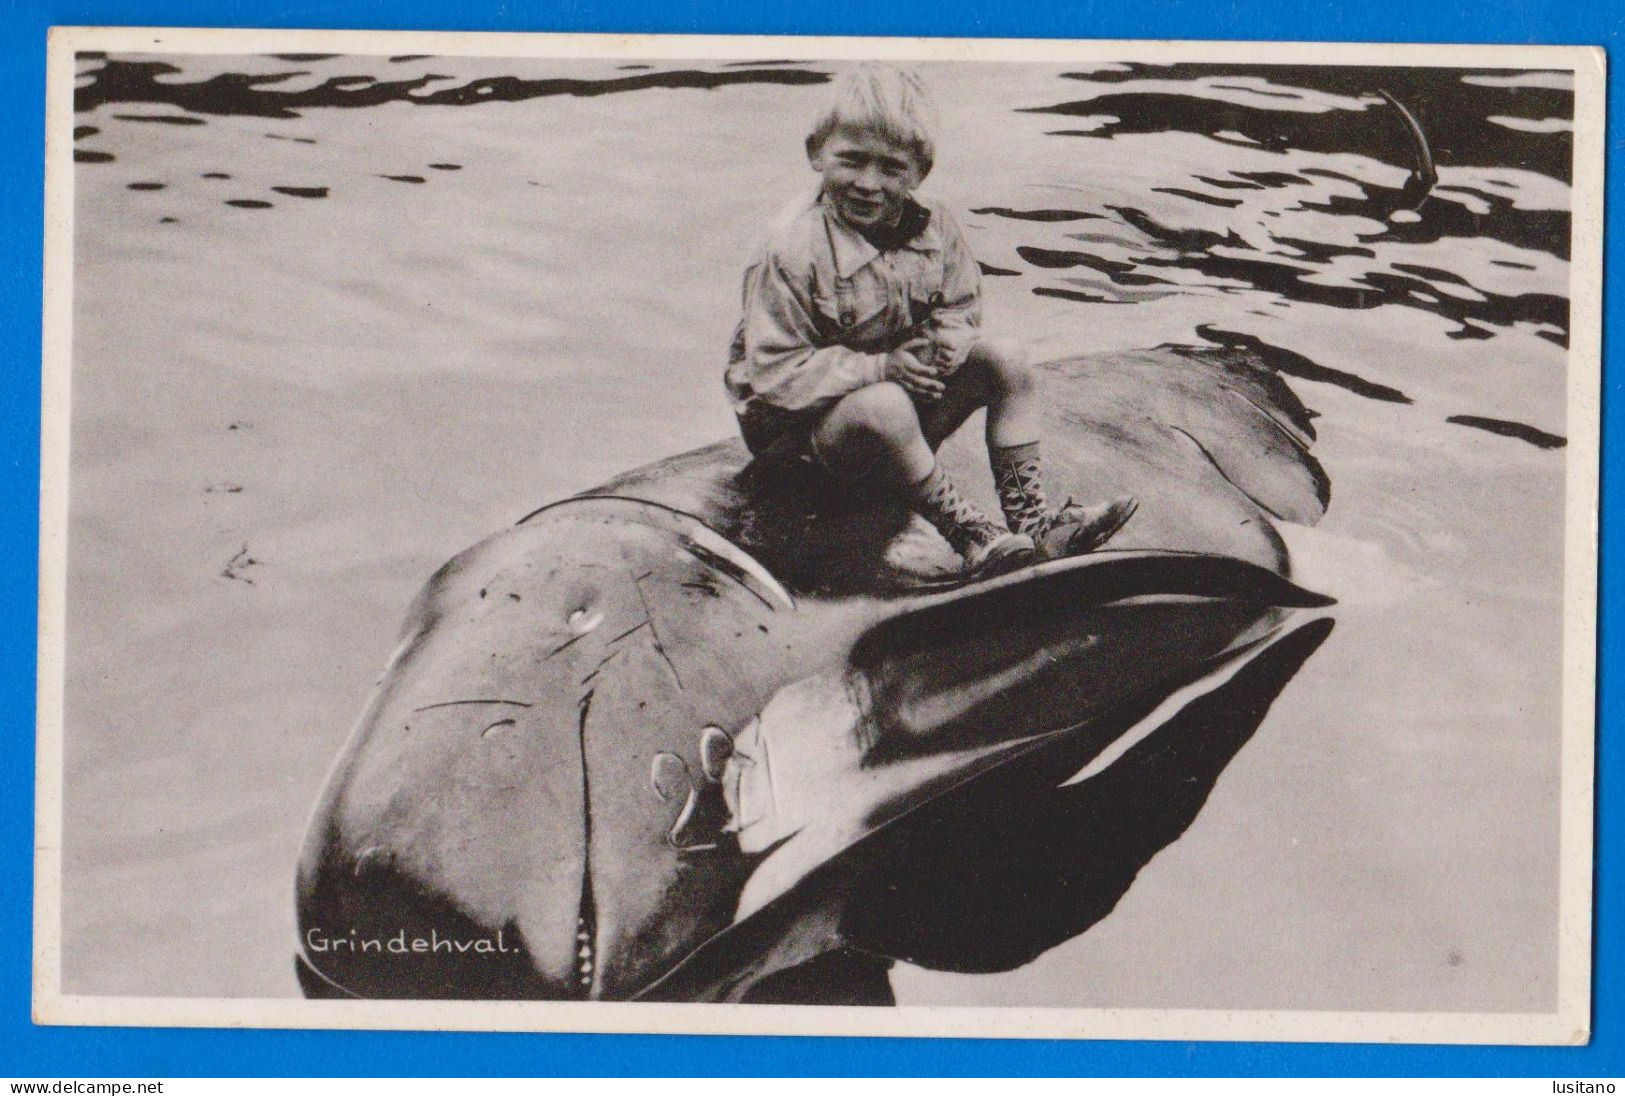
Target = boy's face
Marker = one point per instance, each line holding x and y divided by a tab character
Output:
867	175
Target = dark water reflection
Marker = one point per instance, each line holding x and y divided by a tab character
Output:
257	95
1481	126
1229	257
1538	438
1472	117
1472	225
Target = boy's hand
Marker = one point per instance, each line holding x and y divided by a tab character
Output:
910	365
946	357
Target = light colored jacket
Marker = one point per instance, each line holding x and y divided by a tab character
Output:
823	308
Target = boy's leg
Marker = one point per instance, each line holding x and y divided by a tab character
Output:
874	436
996	373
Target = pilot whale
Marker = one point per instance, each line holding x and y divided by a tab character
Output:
719	730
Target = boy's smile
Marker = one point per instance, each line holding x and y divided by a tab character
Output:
867	176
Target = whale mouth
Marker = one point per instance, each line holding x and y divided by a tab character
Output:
585	971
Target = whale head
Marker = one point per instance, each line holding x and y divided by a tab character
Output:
609	736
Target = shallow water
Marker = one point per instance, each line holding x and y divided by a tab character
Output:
338	317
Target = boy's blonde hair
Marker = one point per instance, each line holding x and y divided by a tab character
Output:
887	99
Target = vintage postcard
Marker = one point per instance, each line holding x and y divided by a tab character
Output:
854	537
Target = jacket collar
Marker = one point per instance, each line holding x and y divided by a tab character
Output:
852	249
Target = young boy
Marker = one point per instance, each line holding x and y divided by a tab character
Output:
861	343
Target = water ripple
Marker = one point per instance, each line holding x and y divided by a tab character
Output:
120	81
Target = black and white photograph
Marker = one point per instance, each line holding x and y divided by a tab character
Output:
819	536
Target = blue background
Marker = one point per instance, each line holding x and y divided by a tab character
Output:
27	1051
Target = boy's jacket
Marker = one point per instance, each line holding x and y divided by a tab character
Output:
823	306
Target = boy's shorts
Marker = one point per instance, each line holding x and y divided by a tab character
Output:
772	432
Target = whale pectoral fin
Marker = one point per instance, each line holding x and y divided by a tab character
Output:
786	935
932	883
940	895
1045	648
963	682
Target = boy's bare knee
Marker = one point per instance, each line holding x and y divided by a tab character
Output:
873	429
